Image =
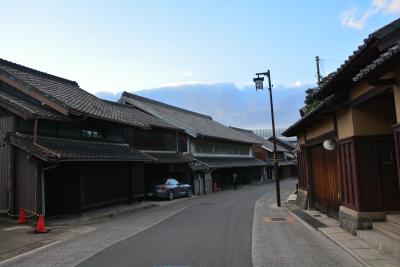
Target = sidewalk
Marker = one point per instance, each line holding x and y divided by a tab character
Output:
16	239
352	244
280	239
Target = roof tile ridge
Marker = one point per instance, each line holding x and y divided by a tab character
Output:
152	101
38	72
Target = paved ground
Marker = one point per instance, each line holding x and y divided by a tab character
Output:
16	239
215	230
281	239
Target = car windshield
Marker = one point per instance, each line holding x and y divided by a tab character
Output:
171	182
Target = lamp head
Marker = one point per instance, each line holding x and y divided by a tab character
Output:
259	82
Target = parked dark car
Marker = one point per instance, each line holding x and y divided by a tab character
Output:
168	188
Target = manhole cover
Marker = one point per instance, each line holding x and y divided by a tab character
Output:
317	215
278	219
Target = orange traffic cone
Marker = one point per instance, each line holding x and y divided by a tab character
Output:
40	227
22	216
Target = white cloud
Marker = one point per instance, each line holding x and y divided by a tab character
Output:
297	84
351	17
355	18
389	6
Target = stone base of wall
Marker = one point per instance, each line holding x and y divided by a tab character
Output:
301	200
351	220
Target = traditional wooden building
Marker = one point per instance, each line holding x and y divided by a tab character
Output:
63	150
358	110
217	150
264	150
161	143
290	146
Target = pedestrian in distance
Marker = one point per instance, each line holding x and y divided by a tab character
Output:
234	177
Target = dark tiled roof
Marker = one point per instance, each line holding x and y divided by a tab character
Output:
268	145
289	145
352	70
167	156
143	116
30	108
326	104
195	124
55	149
281	162
368	42
391	53
230	162
69	95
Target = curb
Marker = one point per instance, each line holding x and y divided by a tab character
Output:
345	249
330	238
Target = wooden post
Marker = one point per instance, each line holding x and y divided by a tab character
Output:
81	192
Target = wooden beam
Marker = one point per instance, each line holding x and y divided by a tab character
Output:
320	139
31	91
382	82
14	111
370	94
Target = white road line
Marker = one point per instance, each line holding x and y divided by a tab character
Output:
26	254
17	228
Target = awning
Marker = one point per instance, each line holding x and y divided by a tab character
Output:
281	162
61	149
229	162
168	156
286	163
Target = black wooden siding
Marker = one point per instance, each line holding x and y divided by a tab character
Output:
27	178
154	139
6	124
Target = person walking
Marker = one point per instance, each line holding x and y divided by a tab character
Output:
234	177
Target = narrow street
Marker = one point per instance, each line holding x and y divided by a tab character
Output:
215	230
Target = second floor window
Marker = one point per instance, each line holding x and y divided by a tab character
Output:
92	133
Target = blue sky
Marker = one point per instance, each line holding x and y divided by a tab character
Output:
112	46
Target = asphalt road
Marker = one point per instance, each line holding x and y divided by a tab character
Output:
213	232
223	229
217	231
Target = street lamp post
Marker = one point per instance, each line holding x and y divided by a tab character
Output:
259	82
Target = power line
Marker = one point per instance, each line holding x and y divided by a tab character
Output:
337	60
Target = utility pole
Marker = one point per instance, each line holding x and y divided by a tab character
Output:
317	60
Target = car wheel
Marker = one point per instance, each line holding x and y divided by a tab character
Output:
189	192
171	195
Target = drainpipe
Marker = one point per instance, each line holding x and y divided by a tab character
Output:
177	141
10	187
35	123
34	139
43	187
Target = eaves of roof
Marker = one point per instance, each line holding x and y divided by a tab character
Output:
323	107
390	54
56	149
27	109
